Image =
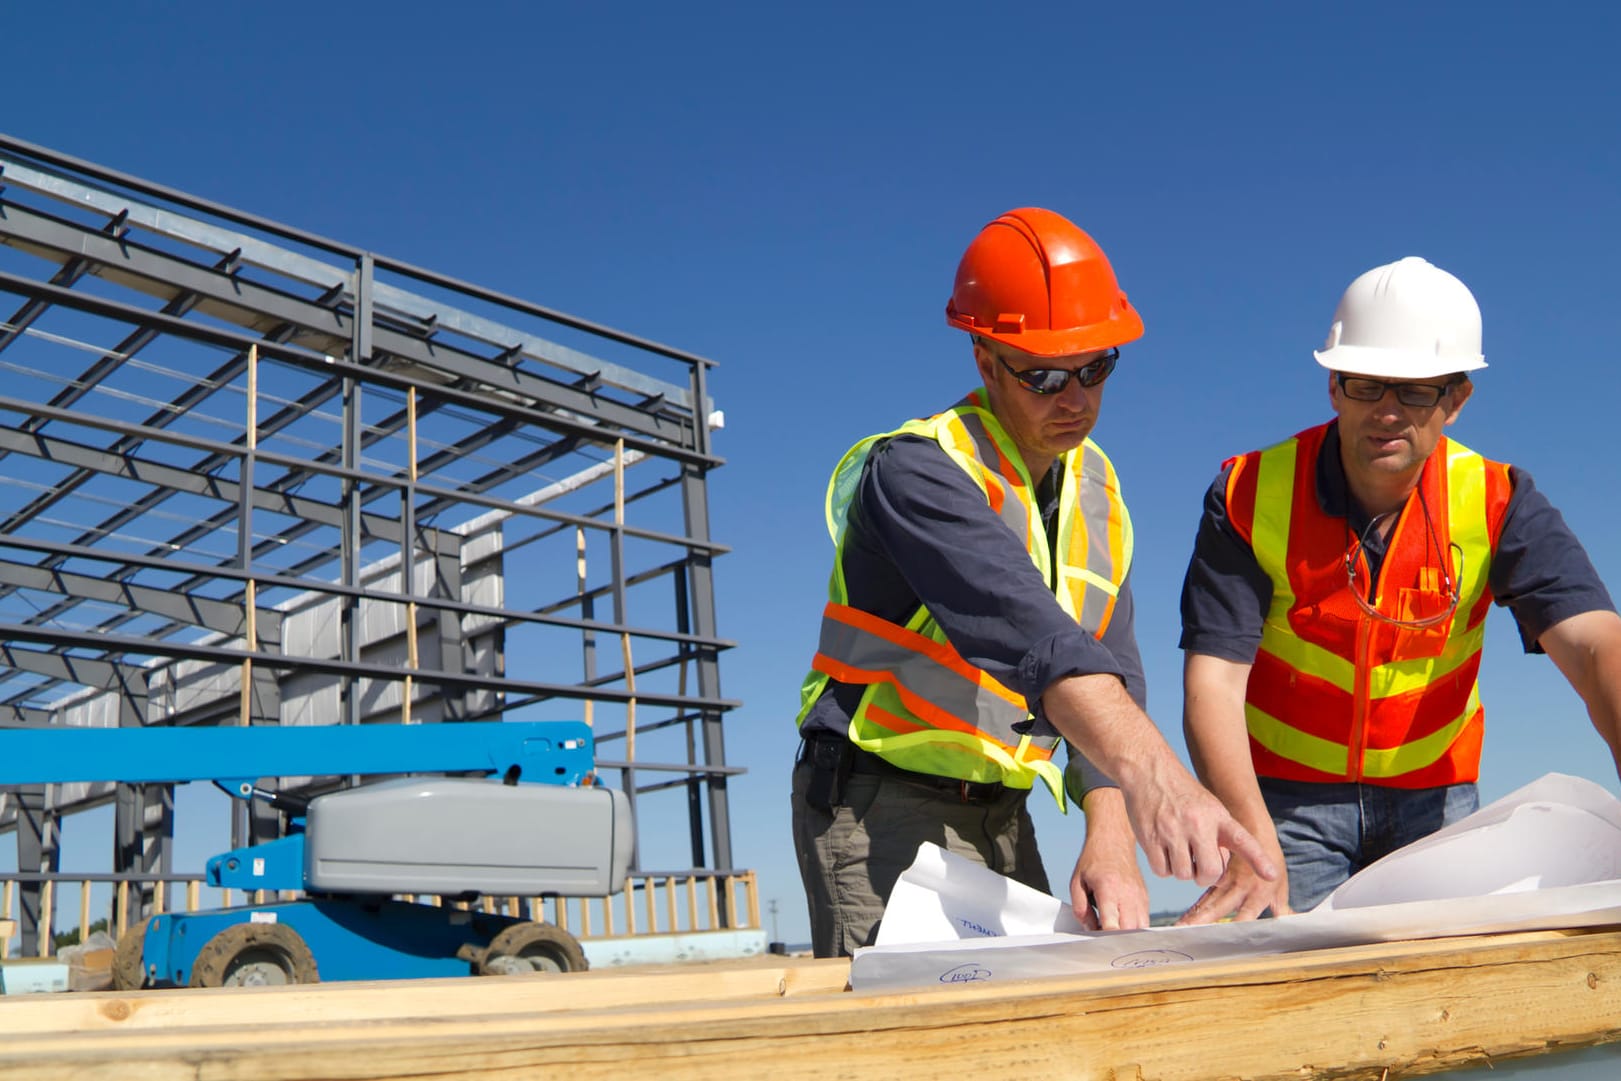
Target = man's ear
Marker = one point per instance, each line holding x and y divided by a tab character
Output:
984	361
1461	393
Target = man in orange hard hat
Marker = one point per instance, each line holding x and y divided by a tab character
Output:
1334	608
980	614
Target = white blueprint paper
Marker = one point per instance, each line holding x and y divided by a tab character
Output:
1546	855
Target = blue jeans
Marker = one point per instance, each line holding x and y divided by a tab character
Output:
1329	832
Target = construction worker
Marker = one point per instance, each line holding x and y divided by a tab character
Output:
1334	606
980	613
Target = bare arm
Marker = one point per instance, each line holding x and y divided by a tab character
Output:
1106	889
1213	723
1183	829
1587	649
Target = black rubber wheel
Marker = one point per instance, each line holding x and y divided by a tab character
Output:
533	947
254	955
129	968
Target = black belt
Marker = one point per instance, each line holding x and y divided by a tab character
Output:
860	761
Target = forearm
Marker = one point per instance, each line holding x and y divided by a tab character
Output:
1587	650
1217	739
1095	713
1106	888
1106	819
1604	701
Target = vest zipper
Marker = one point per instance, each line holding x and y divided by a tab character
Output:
1359	693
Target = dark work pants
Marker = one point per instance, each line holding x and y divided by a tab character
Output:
851	854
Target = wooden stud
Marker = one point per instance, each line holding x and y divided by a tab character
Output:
1352	1014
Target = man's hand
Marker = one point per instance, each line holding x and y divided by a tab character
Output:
1184	830
1241	894
1107	890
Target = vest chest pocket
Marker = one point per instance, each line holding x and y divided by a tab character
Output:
1416	606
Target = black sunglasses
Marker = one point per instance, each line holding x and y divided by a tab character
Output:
1417	395
1053	380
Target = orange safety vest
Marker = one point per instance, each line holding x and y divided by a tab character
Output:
1336	694
924	707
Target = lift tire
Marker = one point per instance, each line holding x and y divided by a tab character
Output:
129	964
533	947
254	954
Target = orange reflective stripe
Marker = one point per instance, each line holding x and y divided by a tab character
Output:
898	724
1027	751
924	709
940	653
995	492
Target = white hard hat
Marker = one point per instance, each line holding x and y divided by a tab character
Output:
1404	320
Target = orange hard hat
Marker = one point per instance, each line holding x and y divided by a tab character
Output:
1035	280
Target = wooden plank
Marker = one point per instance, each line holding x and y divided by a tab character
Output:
328	1003
1409	1009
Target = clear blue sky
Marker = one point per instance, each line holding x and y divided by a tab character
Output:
787	188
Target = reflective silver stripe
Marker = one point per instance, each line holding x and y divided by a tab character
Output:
1013	511
940	686
1098	498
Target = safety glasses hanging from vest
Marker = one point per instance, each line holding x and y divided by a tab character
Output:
1054	380
1448	583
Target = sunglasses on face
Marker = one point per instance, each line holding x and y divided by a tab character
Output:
1417	395
1053	380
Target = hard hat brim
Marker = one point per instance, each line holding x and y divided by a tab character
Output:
1123	327
1393	363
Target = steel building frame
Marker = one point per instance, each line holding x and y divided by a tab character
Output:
249	475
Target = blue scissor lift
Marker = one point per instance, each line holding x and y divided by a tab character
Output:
535	824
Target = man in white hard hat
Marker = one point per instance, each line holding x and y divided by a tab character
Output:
1334	607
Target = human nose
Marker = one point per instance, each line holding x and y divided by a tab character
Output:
1388	404
1077	395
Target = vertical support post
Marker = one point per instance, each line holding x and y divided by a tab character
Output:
408	553
252	822
616	551
694	784
588	608
244	537
700	577
619	605
245	829
350	539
